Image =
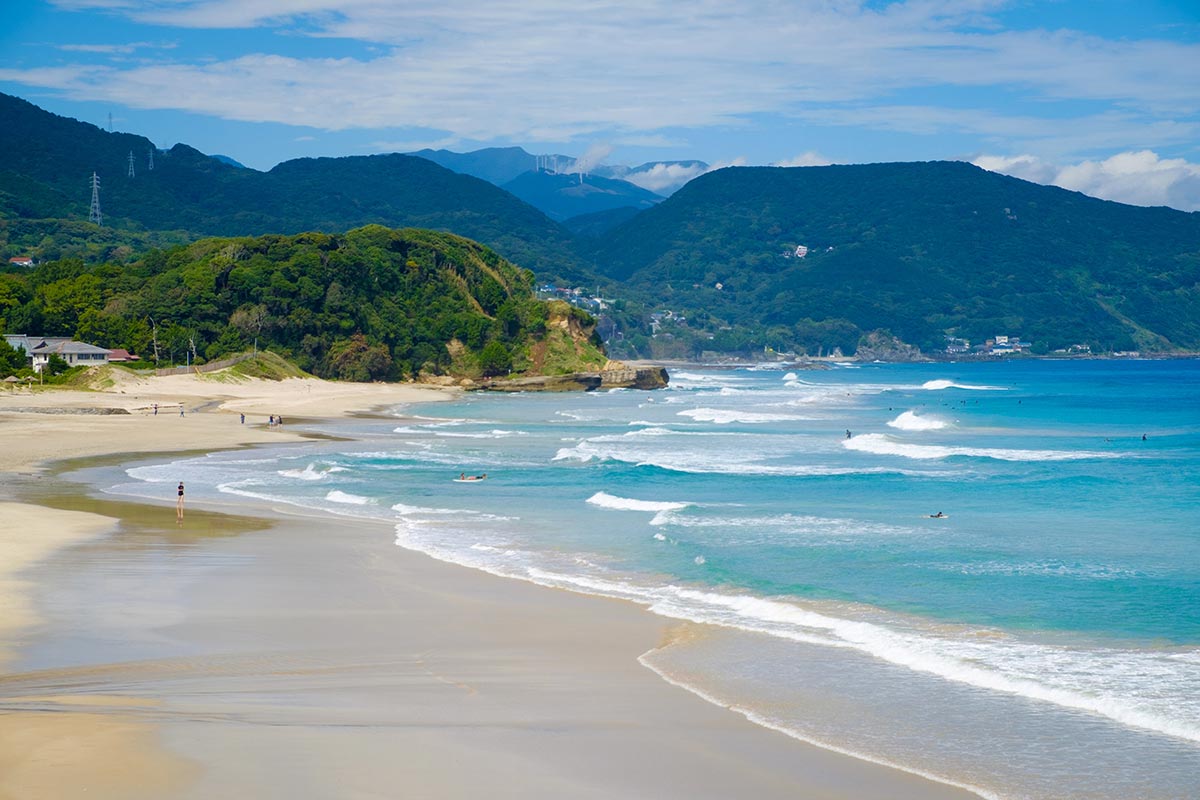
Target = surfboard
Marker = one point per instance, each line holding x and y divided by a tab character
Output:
469	480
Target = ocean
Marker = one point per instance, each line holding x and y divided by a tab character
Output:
1040	639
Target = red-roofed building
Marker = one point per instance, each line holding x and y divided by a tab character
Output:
21	261
118	354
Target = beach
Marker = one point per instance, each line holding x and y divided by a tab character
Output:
308	656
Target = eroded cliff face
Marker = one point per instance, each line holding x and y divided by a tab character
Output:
880	345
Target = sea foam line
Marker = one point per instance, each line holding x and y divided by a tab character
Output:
879	444
920	653
762	721
724	416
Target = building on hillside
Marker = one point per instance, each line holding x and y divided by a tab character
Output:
39	349
119	355
21	261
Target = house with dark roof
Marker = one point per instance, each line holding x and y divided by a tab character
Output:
40	348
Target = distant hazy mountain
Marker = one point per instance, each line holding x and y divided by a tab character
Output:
500	165
497	165
561	196
233	162
46	162
920	248
661	177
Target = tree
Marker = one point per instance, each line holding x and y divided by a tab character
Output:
12	359
495	359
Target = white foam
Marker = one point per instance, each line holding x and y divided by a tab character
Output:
724	416
945	384
880	444
606	500
407	510
909	421
337	496
310	472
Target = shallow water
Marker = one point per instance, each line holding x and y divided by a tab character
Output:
1040	640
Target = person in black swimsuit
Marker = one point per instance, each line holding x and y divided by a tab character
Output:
179	503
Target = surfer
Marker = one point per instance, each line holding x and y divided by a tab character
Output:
938	515
847	433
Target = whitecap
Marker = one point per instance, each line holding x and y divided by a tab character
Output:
909	421
336	496
942	383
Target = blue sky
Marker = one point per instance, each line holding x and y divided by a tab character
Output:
1102	96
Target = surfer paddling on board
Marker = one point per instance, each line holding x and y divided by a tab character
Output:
938	515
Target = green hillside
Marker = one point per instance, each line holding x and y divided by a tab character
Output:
922	249
46	162
370	304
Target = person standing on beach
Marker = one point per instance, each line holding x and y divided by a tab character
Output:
179	503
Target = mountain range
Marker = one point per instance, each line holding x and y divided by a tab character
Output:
800	259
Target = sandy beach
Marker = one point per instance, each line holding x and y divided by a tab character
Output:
307	657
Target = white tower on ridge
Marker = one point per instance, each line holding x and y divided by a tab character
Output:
94	215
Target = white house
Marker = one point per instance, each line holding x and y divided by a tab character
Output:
40	348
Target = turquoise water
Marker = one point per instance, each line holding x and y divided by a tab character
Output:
1040	640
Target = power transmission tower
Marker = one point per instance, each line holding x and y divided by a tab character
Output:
131	173
94	215
150	167
110	122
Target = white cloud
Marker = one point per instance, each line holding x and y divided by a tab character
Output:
413	145
545	70
592	158
808	159
665	178
115	49
1139	178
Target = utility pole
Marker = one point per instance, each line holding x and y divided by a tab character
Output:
94	214
151	165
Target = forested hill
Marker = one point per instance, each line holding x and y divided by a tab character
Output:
370	304
46	163
921	248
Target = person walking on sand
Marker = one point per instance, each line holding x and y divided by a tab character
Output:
179	503
243	419
181	409
156	409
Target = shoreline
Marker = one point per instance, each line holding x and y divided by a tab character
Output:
662	741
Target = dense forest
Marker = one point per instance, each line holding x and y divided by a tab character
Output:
371	304
923	249
46	162
740	260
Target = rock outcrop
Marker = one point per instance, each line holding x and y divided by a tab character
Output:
621	377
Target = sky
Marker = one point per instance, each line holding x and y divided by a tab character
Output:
1098	96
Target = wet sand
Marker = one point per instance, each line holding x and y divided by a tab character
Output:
312	658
